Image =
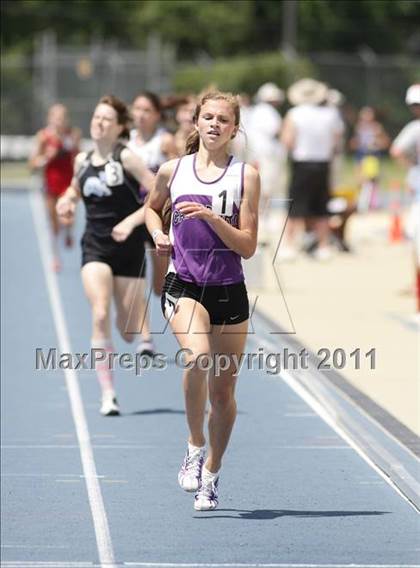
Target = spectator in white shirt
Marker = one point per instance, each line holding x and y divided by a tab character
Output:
406	146
312	133
266	151
406	149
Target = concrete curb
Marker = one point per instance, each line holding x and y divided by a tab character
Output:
378	436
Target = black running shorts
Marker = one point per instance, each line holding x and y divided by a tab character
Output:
125	259
226	304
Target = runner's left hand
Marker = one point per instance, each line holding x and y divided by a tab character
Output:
122	231
193	210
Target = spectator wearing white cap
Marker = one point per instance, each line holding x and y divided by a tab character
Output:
266	150
312	134
406	149
406	146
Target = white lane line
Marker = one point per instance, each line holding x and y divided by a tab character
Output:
100	520
310	447
103	436
73	446
47	475
300	414
26	475
33	546
48	564
262	565
66	436
38	446
142	447
371	482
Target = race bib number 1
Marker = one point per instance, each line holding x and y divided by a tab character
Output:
222	204
114	174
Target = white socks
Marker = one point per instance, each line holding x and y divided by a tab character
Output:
143	344
207	476
195	449
102	368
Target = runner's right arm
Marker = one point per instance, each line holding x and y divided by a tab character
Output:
66	205
38	159
154	206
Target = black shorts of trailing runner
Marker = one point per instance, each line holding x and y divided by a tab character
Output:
125	259
226	304
309	189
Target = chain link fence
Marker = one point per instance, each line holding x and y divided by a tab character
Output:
368	79
77	77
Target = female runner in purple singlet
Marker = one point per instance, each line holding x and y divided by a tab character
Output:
214	224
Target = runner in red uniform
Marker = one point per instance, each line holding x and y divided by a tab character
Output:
56	146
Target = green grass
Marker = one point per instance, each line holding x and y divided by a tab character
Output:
13	171
391	171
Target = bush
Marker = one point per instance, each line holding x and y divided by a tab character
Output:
243	74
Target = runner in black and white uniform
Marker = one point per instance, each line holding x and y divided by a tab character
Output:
112	245
214	224
109	193
155	146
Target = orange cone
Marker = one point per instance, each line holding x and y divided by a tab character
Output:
396	234
395	229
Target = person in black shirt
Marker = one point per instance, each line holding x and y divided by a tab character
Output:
113	259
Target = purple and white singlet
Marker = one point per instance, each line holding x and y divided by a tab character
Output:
198	254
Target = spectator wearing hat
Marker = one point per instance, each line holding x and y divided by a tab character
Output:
406	149
266	150
406	146
312	134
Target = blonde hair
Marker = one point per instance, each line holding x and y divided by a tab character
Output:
193	141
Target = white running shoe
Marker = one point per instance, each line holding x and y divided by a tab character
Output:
109	405
189	476
286	254
207	498
323	254
146	348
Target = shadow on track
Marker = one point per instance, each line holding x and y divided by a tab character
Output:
153	411
270	514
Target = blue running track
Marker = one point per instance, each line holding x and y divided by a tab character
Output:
292	491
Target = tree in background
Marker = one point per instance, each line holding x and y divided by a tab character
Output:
218	27
233	43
